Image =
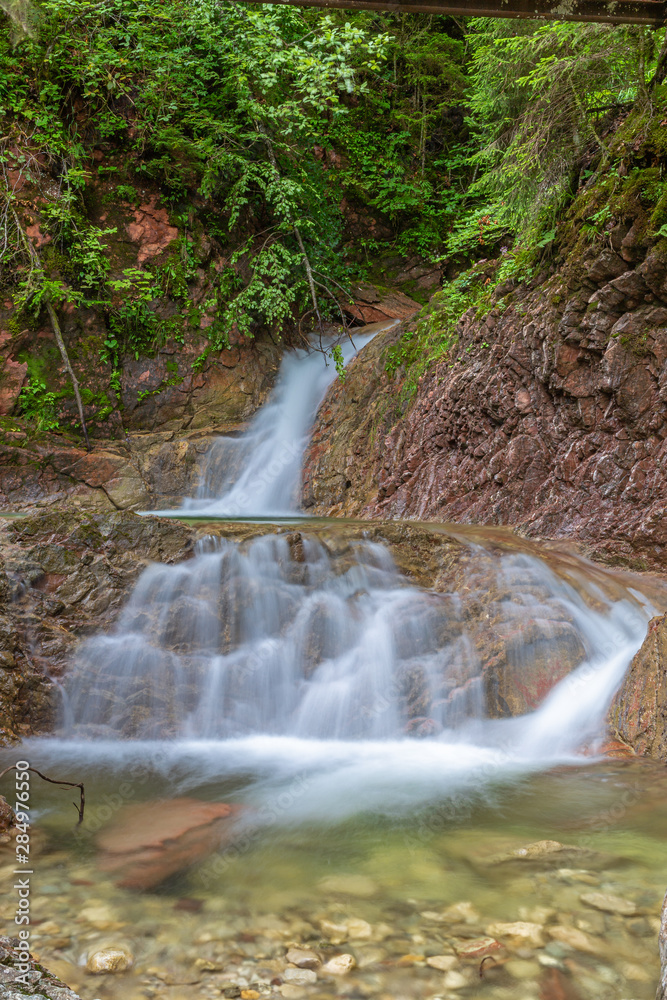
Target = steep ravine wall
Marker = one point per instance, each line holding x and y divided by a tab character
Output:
549	414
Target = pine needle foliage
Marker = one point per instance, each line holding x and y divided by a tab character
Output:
540	95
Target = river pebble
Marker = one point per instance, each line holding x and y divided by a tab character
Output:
300	977
107	960
303	958
609	903
339	965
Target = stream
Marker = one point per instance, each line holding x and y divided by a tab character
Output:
385	812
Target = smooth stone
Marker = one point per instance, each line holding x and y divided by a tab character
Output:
461	913
577	875
291	992
635	972
550	961
349	885
538	849
579	940
358	929
640	927
520	932
444	963
555	949
476	948
536	914
609	903
521	968
336	933
339	965
113	959
303	958
454	980
370	956
299	977
592	923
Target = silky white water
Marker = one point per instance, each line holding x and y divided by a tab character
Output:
259	473
280	659
300	657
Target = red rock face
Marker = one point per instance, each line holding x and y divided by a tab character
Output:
151	230
638	715
374	305
550	415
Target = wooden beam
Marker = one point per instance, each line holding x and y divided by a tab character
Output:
649	12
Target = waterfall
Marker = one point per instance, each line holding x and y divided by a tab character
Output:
286	637
306	655
259	473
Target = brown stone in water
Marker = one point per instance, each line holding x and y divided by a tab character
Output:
477	948
556	986
150	841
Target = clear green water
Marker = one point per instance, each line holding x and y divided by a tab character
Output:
224	926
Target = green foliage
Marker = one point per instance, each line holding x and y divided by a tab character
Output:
336	355
540	95
38	405
462	139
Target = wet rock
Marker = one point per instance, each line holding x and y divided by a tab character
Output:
539	416
299	977
372	304
577	939
519	934
476	947
110	960
37	982
454	980
359	930
336	933
7	817
463	912
609	903
522	968
303	958
339	965
638	714
349	885
443	963
147	843
662	946
555	985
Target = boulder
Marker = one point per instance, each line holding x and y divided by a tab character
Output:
373	304
149	841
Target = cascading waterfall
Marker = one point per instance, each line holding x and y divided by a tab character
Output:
296	654
285	656
258	474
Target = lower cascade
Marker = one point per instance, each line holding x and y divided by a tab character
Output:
290	647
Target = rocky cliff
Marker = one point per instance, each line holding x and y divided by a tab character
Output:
548	412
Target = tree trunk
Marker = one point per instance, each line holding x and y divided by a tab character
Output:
55	325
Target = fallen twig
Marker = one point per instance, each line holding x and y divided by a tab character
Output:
54	781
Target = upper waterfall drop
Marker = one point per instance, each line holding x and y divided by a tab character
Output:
258	473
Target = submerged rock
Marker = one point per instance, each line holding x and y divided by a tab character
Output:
117	958
148	842
339	965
